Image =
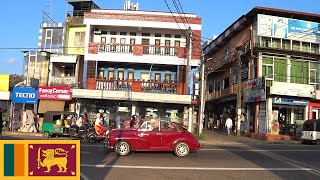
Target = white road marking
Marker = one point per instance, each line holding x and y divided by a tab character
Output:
83	176
263	150
196	168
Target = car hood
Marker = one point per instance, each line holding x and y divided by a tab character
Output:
122	132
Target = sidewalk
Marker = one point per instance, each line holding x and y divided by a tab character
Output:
19	133
214	137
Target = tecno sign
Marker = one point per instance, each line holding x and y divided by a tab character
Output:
54	93
25	95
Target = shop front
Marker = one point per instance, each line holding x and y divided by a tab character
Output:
23	98
53	98
289	107
314	109
254	118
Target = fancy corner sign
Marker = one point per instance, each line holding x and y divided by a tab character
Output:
39	159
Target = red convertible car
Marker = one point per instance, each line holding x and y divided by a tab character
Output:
152	136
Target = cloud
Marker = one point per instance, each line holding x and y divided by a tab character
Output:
12	60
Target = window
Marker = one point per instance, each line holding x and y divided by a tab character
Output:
157	77
267	67
315	48
299	72
104	32
266	42
157	43
113	33
314	72
177	36
132	42
276	43
286	44
295	45
177	43
298	114
79	38
280	70
226	83
103	40
123	33
167	48
113	44
157	35
133	33
130	76
167	77
111	74
120	75
305	47
167	35
145	34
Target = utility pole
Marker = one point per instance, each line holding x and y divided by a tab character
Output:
190	121
202	95
188	59
239	93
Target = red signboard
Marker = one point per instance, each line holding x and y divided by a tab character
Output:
54	93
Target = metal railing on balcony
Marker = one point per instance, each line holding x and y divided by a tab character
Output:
159	87
63	81
116	48
160	50
113	85
144	86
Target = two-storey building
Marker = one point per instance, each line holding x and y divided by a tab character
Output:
135	62
280	72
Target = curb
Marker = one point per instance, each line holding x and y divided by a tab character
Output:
22	134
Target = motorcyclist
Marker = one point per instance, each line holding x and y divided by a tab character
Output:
99	124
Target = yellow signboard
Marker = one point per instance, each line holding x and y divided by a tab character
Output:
4	82
39	159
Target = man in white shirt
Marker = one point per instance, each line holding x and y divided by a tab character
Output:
229	125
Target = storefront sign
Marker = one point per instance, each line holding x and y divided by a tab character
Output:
4	82
4	95
254	90
25	95
54	93
288	101
294	29
291	89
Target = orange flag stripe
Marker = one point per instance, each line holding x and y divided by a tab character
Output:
19	155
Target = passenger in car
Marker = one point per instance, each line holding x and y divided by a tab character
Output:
155	125
171	127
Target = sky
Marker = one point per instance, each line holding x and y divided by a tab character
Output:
20	19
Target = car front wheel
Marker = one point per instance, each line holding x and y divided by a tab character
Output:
122	148
181	149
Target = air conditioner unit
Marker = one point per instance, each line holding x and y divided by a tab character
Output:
97	31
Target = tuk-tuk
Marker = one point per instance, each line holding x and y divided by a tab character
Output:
54	123
311	131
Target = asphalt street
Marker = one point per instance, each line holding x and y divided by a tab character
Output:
238	161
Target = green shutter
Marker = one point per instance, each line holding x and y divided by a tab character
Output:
280	70
299	72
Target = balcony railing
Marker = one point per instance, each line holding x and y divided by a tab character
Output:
135	86
222	93
137	49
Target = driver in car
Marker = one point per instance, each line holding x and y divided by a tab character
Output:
155	125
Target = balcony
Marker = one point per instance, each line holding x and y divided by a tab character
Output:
135	86
159	92
137	50
222	93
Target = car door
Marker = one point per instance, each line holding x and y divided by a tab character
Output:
148	139
168	136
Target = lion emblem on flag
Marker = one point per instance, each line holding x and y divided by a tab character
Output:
53	157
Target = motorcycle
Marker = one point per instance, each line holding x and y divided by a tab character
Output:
98	137
76	133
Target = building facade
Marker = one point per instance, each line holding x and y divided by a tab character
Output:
135	62
279	52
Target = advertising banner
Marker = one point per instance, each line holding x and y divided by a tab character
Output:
4	82
254	90
288	101
294	29
54	93
292	89
25	95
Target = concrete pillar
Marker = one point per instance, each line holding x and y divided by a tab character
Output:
269	114
190	119
133	109
306	112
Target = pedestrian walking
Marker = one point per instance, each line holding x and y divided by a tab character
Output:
229	125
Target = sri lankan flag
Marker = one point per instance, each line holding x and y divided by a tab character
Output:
39	159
